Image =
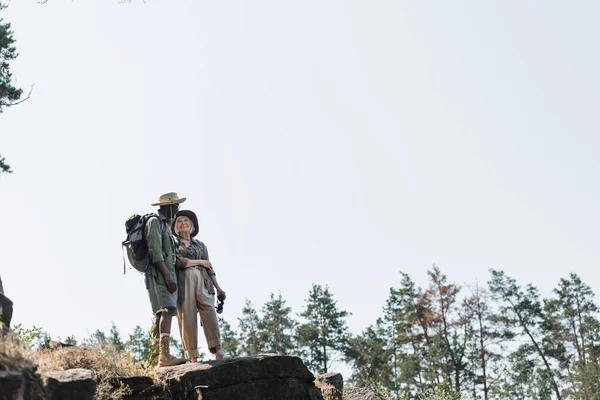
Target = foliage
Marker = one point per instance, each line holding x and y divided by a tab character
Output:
249	324
277	326
323	337
139	344
9	94
229	339
30	337
4	167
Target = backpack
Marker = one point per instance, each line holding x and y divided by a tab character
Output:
135	242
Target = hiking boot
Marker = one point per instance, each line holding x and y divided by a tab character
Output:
222	355
165	359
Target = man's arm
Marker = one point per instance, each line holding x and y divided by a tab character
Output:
154	242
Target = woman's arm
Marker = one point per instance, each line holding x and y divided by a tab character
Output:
183	262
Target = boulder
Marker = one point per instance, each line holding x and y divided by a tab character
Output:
72	384
12	385
264	377
331	384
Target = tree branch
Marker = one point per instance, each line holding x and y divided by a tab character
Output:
28	94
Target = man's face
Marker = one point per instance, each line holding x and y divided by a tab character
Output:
171	210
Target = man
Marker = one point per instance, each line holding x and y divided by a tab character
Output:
161	279
6	310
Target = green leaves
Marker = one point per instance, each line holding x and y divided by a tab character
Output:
323	337
9	94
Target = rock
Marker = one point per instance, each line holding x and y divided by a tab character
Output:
12	385
136	384
72	384
331	384
363	394
264	377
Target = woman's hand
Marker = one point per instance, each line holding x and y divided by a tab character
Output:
205	263
221	293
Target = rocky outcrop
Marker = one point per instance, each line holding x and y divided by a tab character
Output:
12	385
265	377
72	384
248	378
18	385
331	384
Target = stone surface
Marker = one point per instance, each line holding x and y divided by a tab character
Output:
332	385
72	384
137	384
12	385
247	378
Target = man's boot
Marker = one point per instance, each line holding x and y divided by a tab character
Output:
165	359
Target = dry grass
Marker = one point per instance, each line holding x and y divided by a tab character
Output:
14	356
105	364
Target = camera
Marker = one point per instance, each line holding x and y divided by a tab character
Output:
220	302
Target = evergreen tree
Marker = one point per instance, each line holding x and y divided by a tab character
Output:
404	324
451	328
571	331
249	325
323	338
4	167
277	326
9	94
369	356
114	338
70	340
97	340
229	339
177	349
521	308
139	344
487	340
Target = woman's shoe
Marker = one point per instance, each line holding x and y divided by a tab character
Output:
222	355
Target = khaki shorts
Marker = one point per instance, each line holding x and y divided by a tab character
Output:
161	299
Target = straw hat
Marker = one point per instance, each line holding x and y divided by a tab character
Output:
169	198
191	215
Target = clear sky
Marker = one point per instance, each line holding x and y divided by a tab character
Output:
330	142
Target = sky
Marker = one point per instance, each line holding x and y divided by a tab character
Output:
335	143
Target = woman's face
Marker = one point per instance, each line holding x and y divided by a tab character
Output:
183	225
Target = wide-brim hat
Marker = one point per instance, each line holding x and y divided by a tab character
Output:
169	198
191	215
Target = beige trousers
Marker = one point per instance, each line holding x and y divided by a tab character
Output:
197	299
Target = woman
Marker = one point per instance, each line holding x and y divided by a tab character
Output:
196	282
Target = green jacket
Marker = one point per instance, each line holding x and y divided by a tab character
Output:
160	246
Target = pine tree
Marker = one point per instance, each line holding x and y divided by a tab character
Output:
403	325
4	167
369	356
571	329
114	338
277	326
323	338
138	344
97	340
249	325
521	308
229	339
8	93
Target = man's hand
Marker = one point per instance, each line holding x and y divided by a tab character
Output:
221	293
171	285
